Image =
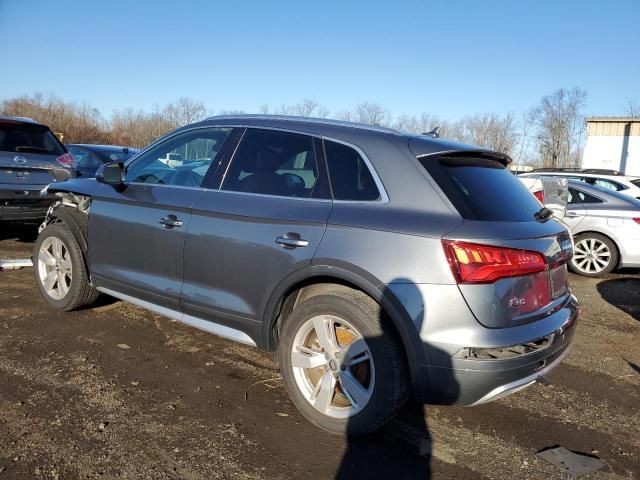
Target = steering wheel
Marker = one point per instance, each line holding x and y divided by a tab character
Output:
151	178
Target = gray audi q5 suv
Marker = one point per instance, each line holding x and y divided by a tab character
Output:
376	263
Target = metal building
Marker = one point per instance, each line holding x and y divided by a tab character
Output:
613	143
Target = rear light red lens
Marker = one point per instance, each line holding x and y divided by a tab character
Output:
637	220
476	263
67	160
539	195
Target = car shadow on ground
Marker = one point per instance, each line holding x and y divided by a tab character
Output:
402	448
623	294
22	232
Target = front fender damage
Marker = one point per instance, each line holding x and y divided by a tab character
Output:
72	210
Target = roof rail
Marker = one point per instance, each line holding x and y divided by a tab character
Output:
295	118
603	171
556	169
17	119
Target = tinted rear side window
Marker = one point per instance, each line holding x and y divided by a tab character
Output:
350	177
29	139
482	189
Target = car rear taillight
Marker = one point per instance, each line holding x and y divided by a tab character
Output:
637	220
539	195
67	160
476	263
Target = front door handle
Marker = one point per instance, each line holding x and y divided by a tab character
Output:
292	240
170	221
572	214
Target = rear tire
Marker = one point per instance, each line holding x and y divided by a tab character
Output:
595	255
359	384
60	271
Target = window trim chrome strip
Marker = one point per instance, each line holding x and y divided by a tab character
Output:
206	325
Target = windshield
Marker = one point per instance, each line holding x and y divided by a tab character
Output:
23	138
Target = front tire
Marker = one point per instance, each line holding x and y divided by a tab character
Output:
594	255
343	365
60	270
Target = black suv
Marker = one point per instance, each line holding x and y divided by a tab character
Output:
31	157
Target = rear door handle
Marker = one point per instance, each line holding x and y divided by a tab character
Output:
572	214
292	240
170	221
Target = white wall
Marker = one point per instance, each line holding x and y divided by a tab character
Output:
606	151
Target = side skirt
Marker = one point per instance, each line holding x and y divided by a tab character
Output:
207	326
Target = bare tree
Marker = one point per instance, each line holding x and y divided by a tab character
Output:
306	108
488	131
344	115
422	124
76	123
559	123
525	130
184	111
372	113
633	108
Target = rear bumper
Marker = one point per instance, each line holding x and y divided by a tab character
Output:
472	381
23	202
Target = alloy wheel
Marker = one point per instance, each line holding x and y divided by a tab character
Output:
591	255
333	366
54	268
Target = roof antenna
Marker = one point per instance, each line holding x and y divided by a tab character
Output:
434	133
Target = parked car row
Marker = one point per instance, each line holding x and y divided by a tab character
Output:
612	180
602	214
377	264
31	157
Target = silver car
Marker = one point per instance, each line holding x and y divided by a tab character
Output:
376	263
606	229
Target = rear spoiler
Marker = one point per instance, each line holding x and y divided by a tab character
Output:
425	146
483	154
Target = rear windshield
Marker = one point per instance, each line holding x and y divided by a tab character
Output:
29	139
482	189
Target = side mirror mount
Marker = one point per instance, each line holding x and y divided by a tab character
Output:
111	173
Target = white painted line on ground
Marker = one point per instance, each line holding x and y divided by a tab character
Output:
15	264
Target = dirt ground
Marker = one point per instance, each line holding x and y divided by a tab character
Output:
117	392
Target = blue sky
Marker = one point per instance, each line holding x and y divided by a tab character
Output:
449	58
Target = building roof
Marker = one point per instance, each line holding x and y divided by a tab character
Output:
613	119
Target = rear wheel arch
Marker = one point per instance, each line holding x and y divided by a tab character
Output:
317	280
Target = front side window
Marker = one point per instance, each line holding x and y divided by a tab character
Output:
271	162
182	160
349	175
